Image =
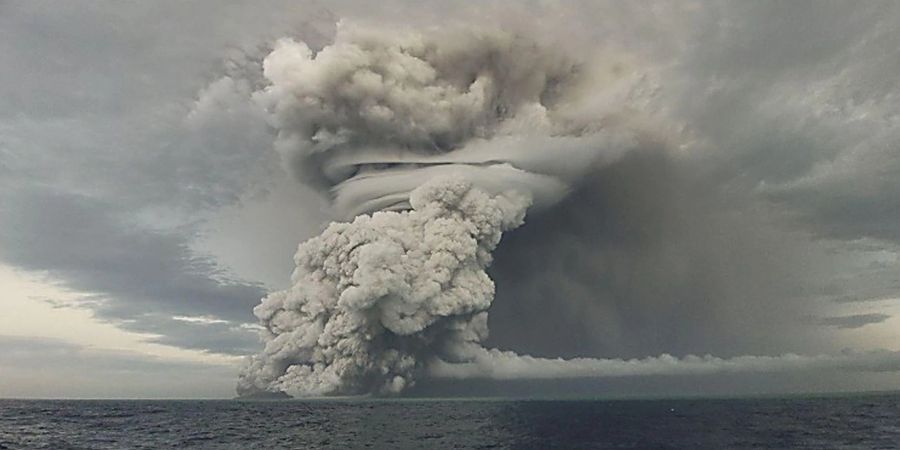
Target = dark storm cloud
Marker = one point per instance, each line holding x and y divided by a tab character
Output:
116	144
801	114
106	57
716	250
645	260
231	338
140	278
854	321
727	246
871	285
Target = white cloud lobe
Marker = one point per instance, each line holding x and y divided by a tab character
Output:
370	299
375	114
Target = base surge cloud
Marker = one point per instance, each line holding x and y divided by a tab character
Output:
502	365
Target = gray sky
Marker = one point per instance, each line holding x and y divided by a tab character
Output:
143	212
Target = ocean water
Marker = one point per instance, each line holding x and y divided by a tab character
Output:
847	422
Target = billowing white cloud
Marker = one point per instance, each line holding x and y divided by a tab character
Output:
373	299
371	116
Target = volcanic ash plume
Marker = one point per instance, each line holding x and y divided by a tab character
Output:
436	142
372	300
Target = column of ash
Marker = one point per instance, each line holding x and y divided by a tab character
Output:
431	144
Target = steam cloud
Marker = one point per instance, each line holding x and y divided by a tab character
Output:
434	143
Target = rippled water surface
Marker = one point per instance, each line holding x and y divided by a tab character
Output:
864	422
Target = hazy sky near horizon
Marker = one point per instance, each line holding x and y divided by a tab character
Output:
144	212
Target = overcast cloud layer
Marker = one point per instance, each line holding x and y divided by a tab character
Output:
135	167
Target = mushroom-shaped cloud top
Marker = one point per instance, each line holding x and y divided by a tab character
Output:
376	114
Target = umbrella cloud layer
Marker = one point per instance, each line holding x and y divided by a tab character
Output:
373	115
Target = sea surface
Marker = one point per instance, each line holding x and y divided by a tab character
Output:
849	422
